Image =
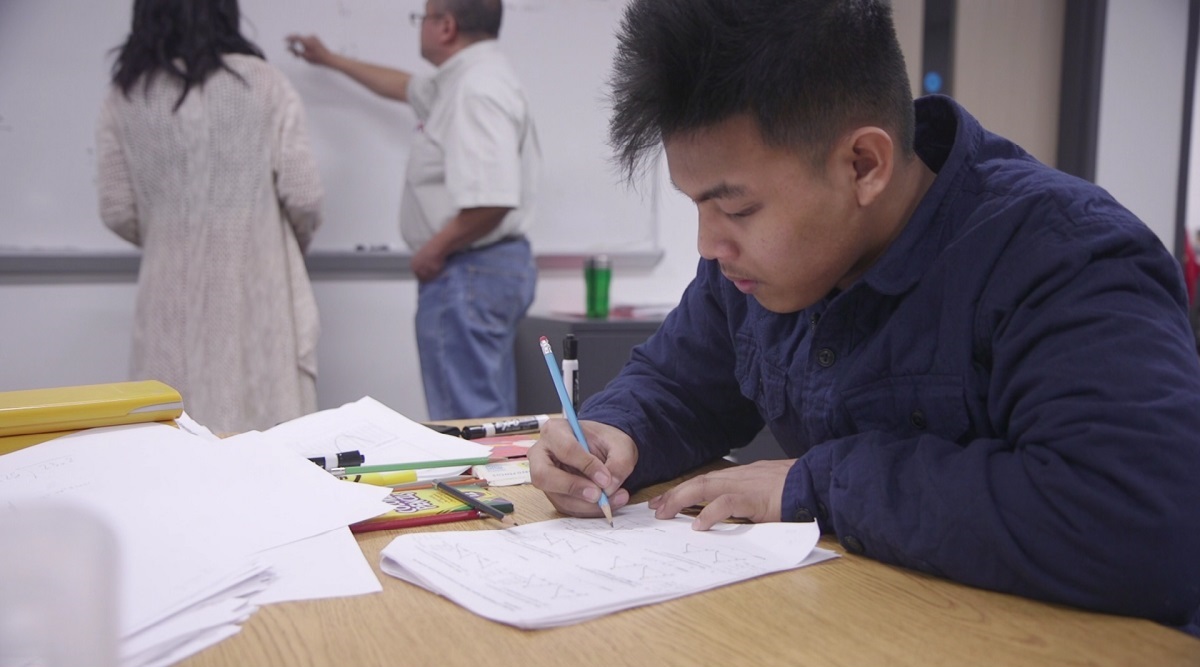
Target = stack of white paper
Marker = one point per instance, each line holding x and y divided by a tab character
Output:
553	573
202	527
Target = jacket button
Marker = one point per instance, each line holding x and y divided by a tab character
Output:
853	545
917	418
826	357
813	319
803	515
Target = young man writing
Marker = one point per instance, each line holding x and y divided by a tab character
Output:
981	367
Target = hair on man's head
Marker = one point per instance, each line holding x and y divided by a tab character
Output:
805	70
478	18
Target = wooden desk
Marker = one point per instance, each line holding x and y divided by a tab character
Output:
849	611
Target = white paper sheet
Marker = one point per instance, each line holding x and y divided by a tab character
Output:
553	573
326	566
185	512
381	434
185	633
185	422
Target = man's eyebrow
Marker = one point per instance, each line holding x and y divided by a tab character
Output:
718	191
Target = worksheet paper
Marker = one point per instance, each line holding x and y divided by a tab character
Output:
554	573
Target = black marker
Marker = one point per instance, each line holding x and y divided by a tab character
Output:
340	460
570	369
525	425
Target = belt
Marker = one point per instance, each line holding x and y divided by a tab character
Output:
511	238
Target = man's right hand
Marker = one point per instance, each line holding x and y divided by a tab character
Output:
571	477
383	81
310	48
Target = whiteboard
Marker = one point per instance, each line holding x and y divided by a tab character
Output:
55	61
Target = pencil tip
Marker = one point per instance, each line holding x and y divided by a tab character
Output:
607	514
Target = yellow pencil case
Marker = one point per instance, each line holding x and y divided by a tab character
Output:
30	412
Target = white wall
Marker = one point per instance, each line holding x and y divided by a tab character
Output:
1141	108
64	334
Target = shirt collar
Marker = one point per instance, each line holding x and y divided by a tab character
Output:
947	140
463	59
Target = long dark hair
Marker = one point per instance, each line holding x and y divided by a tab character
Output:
183	38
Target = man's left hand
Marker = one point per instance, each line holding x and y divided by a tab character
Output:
753	492
427	263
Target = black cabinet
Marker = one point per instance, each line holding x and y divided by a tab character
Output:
604	347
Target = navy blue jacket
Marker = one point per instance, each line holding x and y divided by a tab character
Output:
1009	397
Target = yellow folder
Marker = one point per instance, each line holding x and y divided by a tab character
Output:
30	416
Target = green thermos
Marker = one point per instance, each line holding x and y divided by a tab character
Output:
597	275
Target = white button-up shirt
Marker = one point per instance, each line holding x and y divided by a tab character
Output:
476	147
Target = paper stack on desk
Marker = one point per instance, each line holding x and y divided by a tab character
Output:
552	573
203	529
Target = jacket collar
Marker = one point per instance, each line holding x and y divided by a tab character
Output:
947	140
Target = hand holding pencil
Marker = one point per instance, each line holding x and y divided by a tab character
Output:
580	465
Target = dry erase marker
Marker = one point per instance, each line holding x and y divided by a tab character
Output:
507	426
570	369
339	460
569	411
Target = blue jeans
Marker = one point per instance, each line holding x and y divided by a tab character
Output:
466	327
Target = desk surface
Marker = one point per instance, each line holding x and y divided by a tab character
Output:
848	611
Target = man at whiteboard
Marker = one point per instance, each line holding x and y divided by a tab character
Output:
469	191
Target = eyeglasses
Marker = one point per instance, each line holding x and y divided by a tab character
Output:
416	18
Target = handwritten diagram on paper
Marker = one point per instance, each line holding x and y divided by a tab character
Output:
560	572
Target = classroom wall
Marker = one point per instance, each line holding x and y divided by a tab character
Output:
1141	108
1014	92
76	330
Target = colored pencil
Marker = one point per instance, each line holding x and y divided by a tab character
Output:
569	410
461	480
474	502
410	522
414	465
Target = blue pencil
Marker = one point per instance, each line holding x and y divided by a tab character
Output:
569	411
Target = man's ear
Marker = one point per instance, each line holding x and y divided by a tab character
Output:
449	31
873	155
